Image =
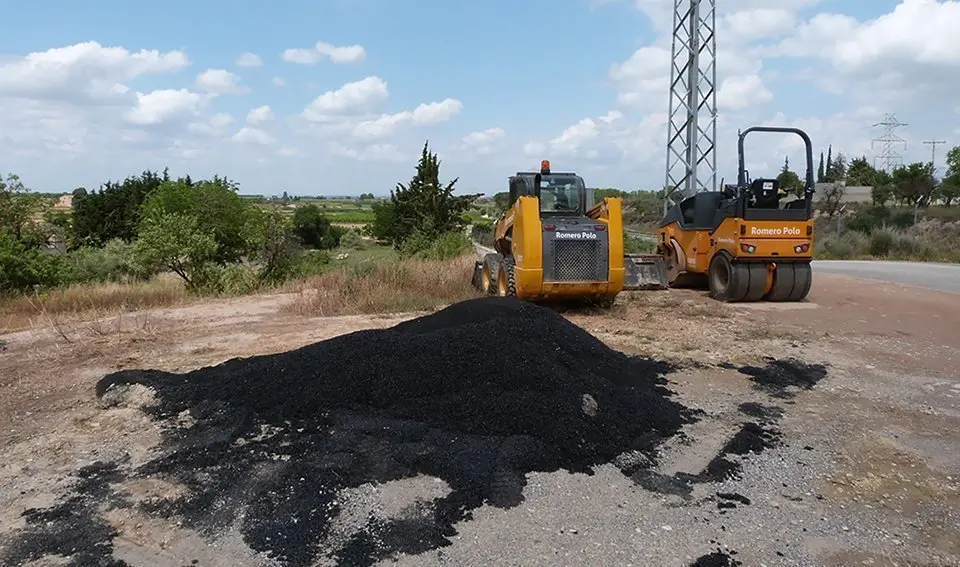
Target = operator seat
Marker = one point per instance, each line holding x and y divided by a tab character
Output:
766	193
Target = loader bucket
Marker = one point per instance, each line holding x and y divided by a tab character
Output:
644	271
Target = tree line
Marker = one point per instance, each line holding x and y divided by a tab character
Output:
204	232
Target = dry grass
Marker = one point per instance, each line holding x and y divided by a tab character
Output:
389	287
85	300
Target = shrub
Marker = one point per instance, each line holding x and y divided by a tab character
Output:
635	245
881	241
237	279
424	247
482	233
22	268
849	246
115	262
351	239
314	228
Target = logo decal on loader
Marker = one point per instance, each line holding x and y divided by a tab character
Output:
785	231
576	235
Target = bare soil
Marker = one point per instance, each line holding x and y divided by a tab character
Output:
869	474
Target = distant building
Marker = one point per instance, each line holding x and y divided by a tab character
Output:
851	194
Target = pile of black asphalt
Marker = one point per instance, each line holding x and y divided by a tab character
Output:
478	394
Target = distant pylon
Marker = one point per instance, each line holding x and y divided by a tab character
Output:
691	164
889	140
933	153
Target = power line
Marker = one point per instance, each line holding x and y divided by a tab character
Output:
691	164
888	156
933	152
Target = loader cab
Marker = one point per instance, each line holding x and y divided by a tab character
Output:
559	194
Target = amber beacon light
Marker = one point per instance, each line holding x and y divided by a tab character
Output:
545	167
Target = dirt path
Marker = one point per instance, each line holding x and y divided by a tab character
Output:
868	471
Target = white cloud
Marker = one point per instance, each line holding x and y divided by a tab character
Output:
743	91
249	135
436	112
921	31
483	137
216	125
360	97
370	153
260	114
219	81
166	105
249	60
483	142
278	81
84	72
324	51
423	115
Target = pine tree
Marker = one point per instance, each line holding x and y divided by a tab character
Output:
828	174
820	170
425	206
786	164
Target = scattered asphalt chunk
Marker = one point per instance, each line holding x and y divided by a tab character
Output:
783	378
72	528
761	412
718	558
725	465
734	497
474	397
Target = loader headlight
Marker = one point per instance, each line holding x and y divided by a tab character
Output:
748	248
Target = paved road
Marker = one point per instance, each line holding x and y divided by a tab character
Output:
941	277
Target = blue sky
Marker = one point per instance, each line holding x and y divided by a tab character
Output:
521	72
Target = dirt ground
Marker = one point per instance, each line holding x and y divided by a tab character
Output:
869	473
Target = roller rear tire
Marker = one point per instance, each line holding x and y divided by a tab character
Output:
791	282
728	281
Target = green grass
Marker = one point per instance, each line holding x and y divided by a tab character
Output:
350	216
371	255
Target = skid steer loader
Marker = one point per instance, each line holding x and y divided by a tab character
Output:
552	244
744	243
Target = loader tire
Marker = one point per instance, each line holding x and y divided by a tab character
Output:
506	280
757	281
488	277
728	281
803	274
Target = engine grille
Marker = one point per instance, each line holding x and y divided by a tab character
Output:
577	260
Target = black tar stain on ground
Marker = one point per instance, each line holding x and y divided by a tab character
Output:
784	378
72	527
726	464
716	559
780	379
768	414
478	395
